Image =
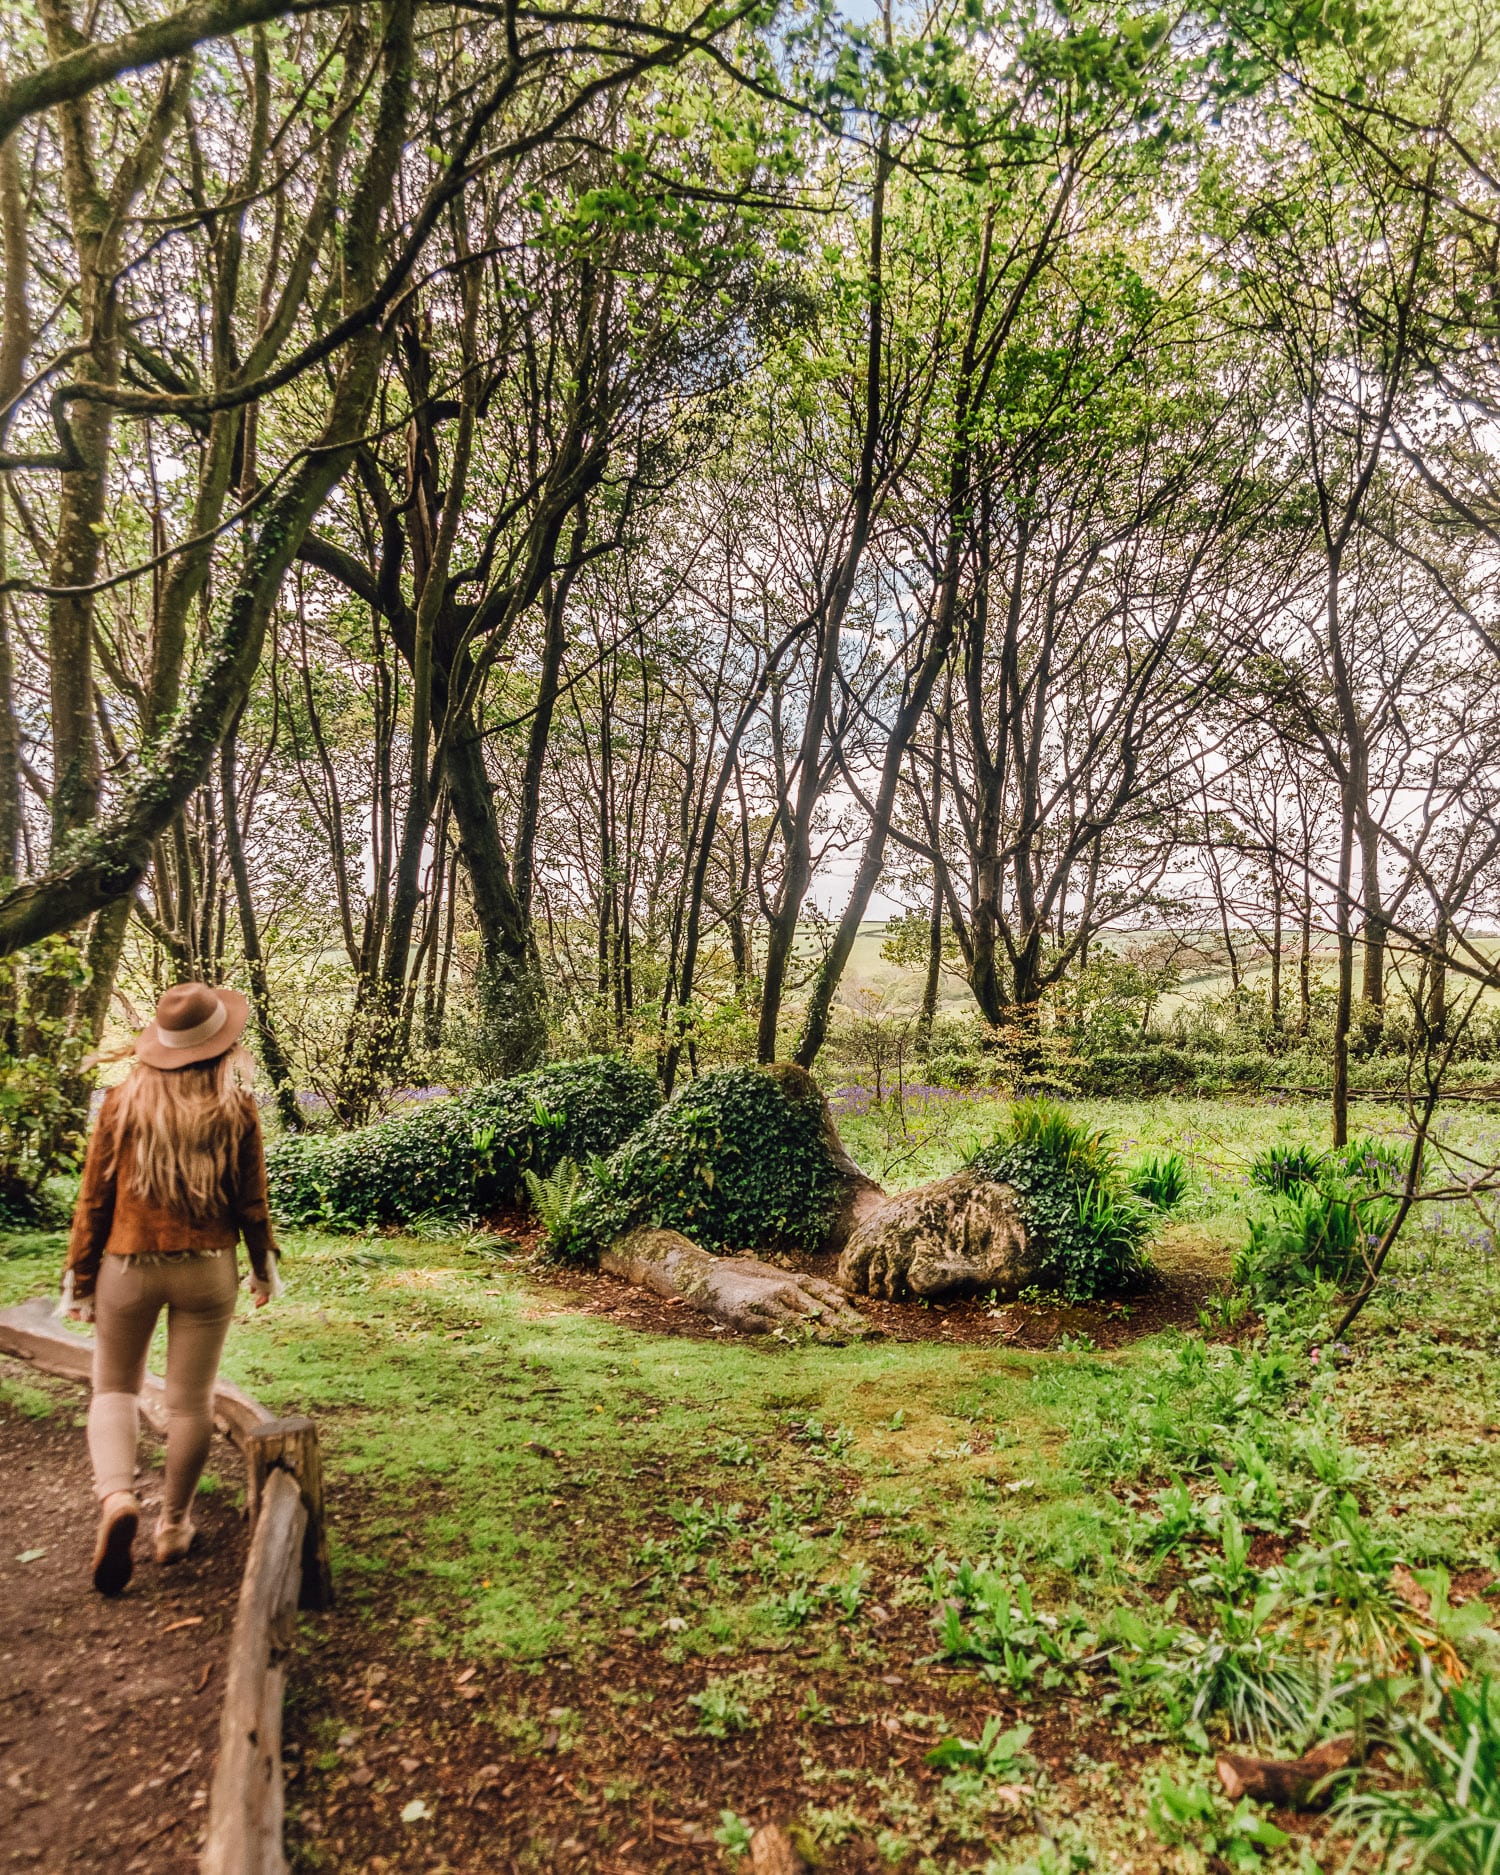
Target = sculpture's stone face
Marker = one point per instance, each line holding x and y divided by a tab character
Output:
962	1235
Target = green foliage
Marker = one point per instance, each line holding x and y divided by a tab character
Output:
1447	1820
1327	1212
465	1155
1092	1228
1161	1178
986	1615
721	1711
998	1753
1280	1168
1260	1691
1190	1813
43	1101
1109	1002
736	1160
553	1196
1308	1236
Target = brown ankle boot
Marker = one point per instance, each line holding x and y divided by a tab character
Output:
119	1519
174	1540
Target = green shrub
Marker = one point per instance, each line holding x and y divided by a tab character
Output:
465	1155
1161	1178
736	1160
1379	1165
43	1095
1309	1235
1091	1227
1156	1070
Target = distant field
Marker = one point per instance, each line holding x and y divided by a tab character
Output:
903	983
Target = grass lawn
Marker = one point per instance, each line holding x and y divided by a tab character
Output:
611	1598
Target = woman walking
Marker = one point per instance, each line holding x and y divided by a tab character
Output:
175	1174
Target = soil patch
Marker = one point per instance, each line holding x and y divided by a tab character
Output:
598	1763
1187	1271
109	1709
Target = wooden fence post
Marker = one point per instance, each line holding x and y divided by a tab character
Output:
246	1804
292	1445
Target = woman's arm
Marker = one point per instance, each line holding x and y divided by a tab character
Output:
252	1211
93	1215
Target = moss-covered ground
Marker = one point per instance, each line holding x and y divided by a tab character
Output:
609	1598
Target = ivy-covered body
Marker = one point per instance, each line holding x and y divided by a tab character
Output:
738	1160
463	1156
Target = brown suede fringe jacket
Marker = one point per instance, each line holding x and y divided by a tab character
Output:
111	1219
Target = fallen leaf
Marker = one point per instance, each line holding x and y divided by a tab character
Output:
31	1555
188	1621
208	1667
462	1679
415	1811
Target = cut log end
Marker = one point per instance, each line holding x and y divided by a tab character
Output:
1304	1783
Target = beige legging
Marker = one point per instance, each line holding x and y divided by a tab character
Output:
198	1293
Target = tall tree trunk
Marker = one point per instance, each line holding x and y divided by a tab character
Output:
797	871
1344	1007
1435	999
510	987
15	345
271	1051
927	1015
554	644
872	860
1372	985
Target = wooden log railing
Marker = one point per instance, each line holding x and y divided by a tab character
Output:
287	1567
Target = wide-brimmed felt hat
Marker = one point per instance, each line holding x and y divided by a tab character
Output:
194	1022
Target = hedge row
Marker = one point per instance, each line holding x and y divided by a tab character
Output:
462	1156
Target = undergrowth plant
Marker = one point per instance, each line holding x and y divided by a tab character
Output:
1077	1201
554	1195
1325	1214
464	1156
1161	1178
1444	1818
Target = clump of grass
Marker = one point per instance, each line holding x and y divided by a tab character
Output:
1260	1691
1161	1178
1446	1820
1282	1169
721	1710
1092	1228
1327	1212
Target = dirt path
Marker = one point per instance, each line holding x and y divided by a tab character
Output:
109	1710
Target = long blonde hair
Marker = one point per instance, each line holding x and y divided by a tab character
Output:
184	1128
